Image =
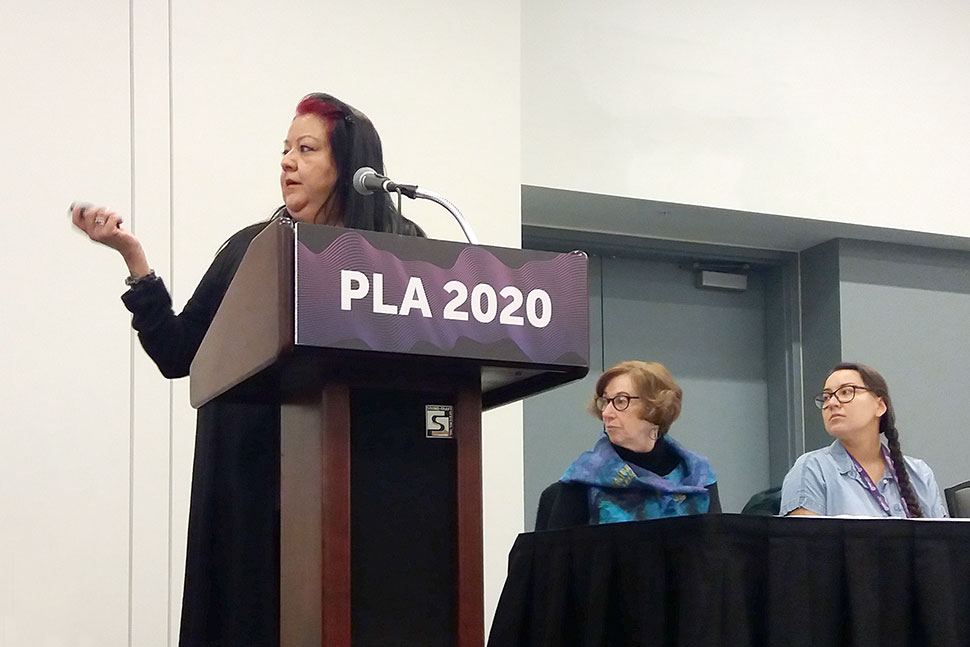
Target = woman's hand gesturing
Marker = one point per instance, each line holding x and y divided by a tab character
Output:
104	226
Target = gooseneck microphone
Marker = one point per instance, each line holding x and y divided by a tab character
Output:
367	181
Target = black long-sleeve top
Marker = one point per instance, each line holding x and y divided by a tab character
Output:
231	594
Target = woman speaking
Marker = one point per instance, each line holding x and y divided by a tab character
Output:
231	594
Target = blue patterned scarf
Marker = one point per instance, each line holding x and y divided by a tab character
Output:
619	491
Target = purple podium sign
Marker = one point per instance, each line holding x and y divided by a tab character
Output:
380	292
324	300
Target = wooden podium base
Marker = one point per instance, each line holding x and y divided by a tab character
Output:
399	543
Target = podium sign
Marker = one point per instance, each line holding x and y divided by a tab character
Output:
424	297
519	318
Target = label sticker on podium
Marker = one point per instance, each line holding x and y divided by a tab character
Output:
438	420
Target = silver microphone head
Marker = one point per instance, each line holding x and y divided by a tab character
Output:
360	176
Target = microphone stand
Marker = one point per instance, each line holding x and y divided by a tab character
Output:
412	191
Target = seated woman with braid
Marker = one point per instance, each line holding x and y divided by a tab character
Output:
857	475
635	471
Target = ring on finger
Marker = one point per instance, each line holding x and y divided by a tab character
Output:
99	221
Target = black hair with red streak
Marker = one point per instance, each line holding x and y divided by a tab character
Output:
354	143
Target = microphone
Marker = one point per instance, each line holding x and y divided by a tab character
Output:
367	180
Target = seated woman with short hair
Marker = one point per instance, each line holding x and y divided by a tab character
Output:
635	471
857	475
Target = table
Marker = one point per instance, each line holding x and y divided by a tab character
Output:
739	580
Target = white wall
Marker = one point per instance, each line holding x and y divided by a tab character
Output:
848	112
65	436
174	114
841	111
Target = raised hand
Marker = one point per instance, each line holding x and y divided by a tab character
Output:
104	226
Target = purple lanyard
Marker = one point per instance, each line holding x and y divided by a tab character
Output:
873	490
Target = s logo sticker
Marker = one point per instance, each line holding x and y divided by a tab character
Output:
438	420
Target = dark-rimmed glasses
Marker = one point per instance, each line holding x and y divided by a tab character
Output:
620	402
844	394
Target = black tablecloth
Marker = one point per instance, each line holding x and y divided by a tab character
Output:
739	580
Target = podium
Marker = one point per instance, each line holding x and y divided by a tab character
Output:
382	352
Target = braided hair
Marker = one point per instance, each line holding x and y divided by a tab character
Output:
887	426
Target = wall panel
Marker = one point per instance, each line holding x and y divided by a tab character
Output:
843	112
65	436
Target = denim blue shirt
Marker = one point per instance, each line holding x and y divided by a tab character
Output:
827	482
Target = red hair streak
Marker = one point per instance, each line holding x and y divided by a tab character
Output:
313	106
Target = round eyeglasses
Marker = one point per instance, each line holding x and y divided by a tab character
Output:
844	394
620	402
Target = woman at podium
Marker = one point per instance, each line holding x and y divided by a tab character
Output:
635	471
231	594
857	474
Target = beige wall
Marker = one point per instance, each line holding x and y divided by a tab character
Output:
174	114
64	441
840	111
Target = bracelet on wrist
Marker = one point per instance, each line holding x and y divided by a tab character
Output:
132	281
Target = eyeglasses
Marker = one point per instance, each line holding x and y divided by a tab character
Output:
620	402
844	394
